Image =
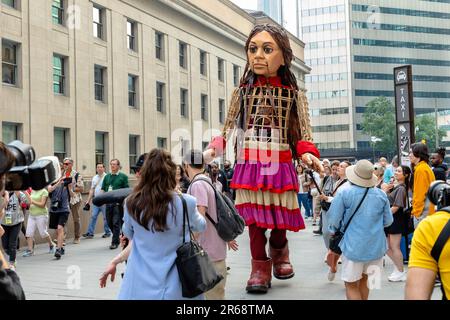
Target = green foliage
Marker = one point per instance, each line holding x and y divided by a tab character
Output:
379	121
426	130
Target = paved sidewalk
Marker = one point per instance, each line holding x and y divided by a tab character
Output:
45	278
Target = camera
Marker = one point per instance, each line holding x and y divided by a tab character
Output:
439	194
27	171
55	205
67	181
87	207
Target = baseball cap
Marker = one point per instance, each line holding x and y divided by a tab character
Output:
139	162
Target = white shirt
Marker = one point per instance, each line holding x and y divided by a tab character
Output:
97	182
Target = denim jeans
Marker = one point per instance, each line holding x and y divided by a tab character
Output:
303	199
95	212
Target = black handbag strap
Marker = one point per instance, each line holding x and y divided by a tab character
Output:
185	217
359	205
439	246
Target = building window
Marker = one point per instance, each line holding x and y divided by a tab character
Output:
159	45
131	35
132	81
220	69
99	83
184	102
59	75
133	147
204	107
10	132
185	146
10	3
363	144
203	63
221	111
97	17
160	97
161	143
182	53
236	75
58	11
60	143
9	62
101	140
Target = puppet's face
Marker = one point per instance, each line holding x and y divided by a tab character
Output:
264	55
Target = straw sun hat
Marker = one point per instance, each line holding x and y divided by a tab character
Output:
361	174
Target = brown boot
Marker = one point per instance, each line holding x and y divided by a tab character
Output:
282	268
260	277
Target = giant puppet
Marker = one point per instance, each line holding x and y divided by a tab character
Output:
272	120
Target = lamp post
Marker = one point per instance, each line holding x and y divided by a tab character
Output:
374	140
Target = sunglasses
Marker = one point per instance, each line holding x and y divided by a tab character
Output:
66	164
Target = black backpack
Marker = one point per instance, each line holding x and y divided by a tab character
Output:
229	223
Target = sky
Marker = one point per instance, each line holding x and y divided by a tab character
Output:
246	4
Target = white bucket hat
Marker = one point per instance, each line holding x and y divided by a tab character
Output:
361	174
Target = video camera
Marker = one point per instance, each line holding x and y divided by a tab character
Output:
27	171
439	193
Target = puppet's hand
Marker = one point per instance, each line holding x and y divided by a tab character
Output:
312	162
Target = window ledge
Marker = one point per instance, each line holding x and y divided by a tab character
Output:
100	42
60	28
12	86
11	11
133	53
101	103
162	63
62	95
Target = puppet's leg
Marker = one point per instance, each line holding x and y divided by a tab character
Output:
261	276
279	252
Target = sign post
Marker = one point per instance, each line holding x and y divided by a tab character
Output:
404	112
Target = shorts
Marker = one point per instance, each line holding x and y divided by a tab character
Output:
352	271
37	222
58	219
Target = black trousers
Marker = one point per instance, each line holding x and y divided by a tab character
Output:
9	240
114	217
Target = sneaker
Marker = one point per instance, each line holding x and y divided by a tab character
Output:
339	261
106	235
58	253
76	241
28	253
331	275
317	232
51	249
397	276
113	246
12	265
88	235
63	251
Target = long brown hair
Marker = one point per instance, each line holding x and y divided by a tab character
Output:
151	197
281	38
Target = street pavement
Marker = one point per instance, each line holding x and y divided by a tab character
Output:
75	276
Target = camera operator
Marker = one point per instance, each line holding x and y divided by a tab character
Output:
10	287
430	249
75	196
59	210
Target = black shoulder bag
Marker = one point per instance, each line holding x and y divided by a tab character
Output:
195	269
439	245
337	237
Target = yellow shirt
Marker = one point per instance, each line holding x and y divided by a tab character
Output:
424	238
423	177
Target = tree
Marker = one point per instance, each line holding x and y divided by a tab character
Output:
426	130
379	121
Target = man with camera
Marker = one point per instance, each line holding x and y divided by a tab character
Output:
75	195
430	249
114	211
